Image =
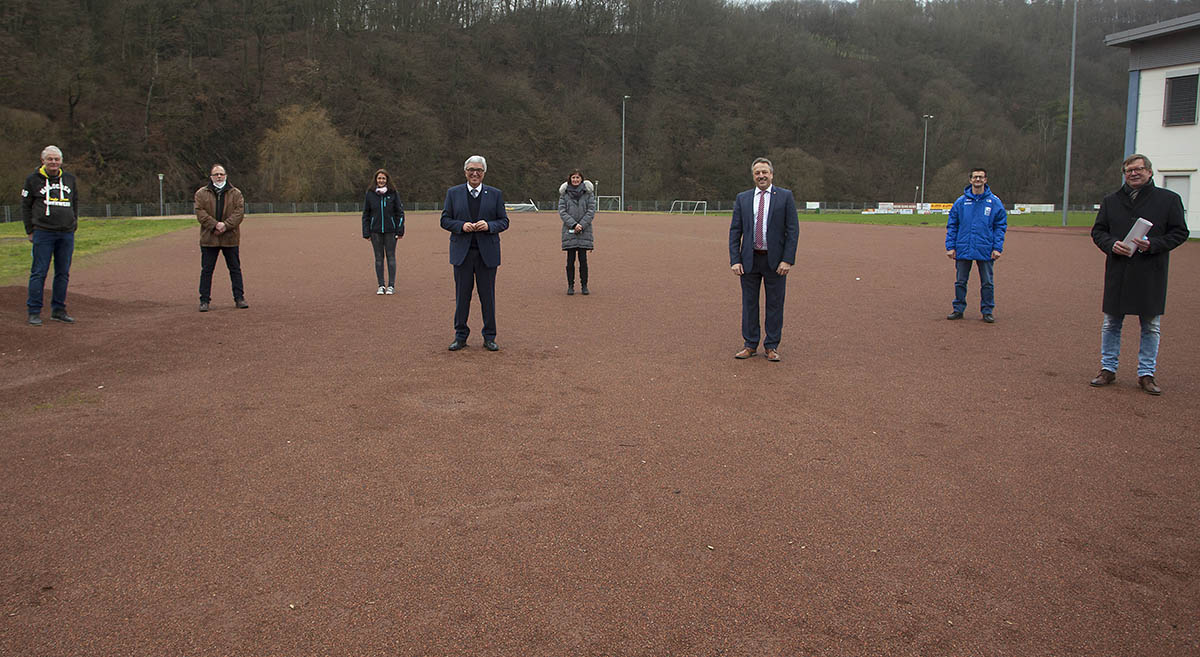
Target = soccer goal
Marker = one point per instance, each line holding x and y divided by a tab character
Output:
608	203
688	207
521	207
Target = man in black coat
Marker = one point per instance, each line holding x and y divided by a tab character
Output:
1135	273
49	207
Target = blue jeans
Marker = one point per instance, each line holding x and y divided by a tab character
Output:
1110	343
49	244
987	291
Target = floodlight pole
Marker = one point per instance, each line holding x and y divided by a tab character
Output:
623	99
1070	116
924	150
160	195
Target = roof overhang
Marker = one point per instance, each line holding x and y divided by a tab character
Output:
1137	35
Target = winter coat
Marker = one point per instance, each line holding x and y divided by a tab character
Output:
579	211
382	213
232	212
49	202
1137	284
976	225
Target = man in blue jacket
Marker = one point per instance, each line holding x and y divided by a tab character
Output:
474	215
763	237
975	234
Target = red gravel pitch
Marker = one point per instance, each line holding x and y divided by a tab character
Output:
317	475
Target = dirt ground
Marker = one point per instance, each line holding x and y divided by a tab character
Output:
317	475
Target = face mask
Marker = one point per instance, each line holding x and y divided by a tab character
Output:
220	185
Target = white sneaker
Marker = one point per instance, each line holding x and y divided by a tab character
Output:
390	290
380	290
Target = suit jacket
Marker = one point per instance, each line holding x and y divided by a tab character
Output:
783	229
456	213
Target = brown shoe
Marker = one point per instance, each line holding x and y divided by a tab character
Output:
745	353
773	355
1104	378
1148	384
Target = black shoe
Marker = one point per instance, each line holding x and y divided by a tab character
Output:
61	315
954	315
491	345
241	303
456	345
203	306
989	318
35	320
585	290
571	290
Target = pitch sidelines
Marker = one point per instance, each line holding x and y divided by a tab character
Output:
317	475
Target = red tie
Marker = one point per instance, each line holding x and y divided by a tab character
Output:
760	227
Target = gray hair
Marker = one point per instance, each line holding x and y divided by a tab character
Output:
477	159
52	149
760	160
1137	156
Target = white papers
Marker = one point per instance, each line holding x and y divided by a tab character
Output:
1137	232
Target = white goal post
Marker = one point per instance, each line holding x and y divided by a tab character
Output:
688	207
608	203
521	207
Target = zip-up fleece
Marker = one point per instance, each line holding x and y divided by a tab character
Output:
49	202
382	213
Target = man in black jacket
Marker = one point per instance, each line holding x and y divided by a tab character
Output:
1135	273
49	203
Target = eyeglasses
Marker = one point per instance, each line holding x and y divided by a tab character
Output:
217	175
978	177
1133	170
474	170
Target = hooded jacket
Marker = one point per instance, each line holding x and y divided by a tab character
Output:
49	202
976	225
383	213
577	211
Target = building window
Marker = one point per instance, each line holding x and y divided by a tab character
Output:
1180	108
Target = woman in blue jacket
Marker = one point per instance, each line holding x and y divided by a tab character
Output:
383	224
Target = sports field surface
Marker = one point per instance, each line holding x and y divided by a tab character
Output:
317	475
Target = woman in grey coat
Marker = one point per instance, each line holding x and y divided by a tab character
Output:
577	208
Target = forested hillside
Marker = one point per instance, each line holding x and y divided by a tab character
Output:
303	99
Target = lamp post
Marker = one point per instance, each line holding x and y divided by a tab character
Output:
924	150
1070	117
160	195
623	99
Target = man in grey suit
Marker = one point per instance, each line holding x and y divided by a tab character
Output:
762	249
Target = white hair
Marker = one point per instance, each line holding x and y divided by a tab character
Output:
478	159
52	149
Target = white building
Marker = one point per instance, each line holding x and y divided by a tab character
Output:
1161	122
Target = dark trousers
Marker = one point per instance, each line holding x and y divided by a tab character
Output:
49	244
582	253
471	273
208	262
385	245
776	287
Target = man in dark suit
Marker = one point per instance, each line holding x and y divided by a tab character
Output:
474	214
762	248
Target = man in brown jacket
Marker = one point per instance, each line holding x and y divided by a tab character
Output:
219	209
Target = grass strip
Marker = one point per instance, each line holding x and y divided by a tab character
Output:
93	236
